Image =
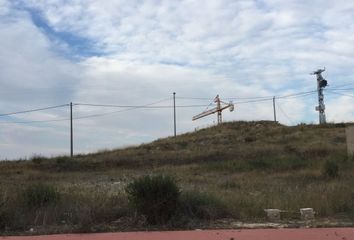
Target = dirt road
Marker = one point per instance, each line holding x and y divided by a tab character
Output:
257	234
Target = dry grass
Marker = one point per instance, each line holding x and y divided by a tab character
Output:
240	168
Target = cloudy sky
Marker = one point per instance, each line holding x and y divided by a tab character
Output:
138	52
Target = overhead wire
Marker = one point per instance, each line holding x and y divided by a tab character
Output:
112	112
283	112
36	121
342	94
253	99
136	106
33	110
66	119
342	89
343	85
145	106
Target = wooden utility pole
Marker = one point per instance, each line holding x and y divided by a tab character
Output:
71	131
274	110
174	114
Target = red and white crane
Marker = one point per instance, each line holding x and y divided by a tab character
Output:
218	109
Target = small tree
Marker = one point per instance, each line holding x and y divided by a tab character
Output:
156	197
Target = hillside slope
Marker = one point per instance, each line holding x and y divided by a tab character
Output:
233	171
264	144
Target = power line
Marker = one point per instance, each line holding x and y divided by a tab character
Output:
342	89
130	108
88	116
254	98
135	106
254	101
342	94
146	106
298	96
33	110
343	85
283	112
35	121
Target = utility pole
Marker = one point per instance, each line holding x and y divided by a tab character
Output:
274	110
321	84
174	113
71	131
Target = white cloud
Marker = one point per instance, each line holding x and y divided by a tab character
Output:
147	50
340	109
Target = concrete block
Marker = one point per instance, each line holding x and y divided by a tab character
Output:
273	215
307	213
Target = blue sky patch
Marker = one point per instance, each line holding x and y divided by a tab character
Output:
77	45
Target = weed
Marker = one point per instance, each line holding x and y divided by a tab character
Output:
331	169
156	197
201	205
38	159
40	195
3	213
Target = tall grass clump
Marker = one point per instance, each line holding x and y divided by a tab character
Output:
331	169
3	213
203	206
40	195
155	197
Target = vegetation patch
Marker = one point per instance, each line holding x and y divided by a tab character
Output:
203	206
331	169
155	197
40	195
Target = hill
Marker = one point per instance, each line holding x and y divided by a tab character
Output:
232	171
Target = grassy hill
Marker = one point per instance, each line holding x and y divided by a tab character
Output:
231	171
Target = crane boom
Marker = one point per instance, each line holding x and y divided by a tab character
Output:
205	113
209	112
218	109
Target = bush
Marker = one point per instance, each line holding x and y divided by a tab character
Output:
3	215
331	169
37	159
199	205
156	197
40	195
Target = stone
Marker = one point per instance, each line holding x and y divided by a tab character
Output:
273	214
307	213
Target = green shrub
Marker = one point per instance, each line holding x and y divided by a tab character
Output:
37	159
66	164
156	197
3	215
40	195
331	169
199	205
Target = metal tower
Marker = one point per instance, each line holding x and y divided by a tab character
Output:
321	84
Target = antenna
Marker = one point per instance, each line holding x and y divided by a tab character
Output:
321	84
218	109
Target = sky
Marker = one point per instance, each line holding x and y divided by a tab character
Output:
138	52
